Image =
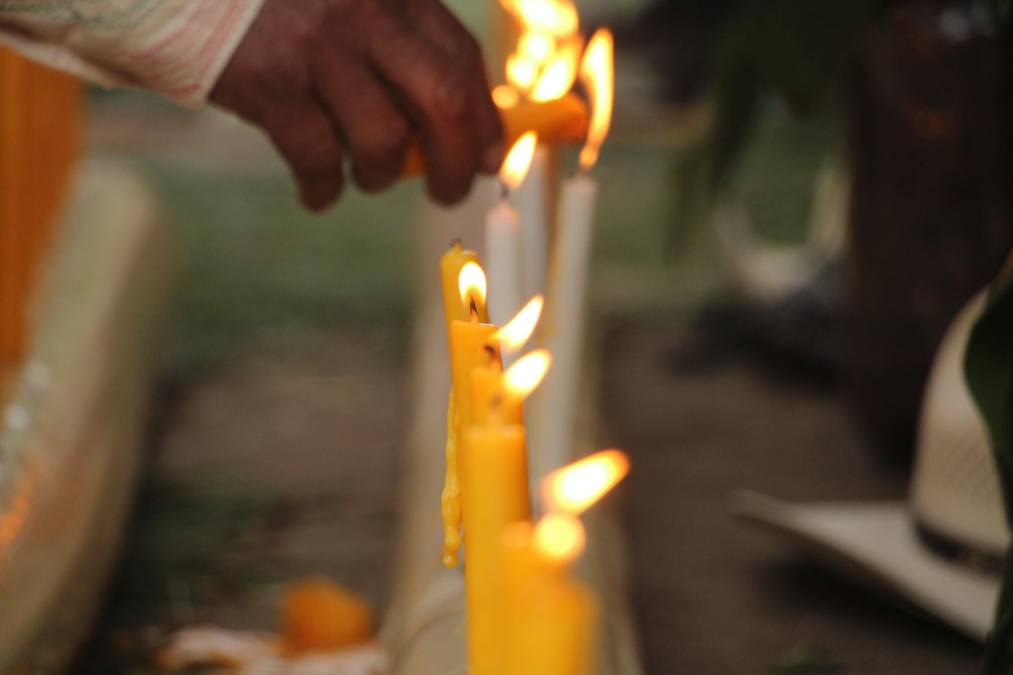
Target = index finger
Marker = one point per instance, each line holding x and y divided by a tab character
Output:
437	94
439	25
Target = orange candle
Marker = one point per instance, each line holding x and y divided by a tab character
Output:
562	120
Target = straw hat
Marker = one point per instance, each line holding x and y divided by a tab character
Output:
941	550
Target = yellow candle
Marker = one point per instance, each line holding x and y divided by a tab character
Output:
553	618
499	397
494	472
461	301
471	345
553	622
451	264
494	484
486	387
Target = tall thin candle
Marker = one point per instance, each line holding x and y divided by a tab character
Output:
554	408
465	306
503	235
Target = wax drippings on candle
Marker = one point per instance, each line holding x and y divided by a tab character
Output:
491	354
450	500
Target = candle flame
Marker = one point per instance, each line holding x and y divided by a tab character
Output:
577	486
555	17
521	71
518	160
471	284
558	74
597	74
524	376
560	538
505	97
536	46
544	62
518	330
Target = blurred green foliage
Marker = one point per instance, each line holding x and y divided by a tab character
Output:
259	271
793	50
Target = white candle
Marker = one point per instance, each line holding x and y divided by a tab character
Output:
554	409
531	200
502	245
502	235
554	406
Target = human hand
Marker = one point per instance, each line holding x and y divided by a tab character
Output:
328	77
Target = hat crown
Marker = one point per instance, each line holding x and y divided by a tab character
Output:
955	489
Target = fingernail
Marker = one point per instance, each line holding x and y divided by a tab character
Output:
493	157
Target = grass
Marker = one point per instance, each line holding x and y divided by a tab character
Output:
257	272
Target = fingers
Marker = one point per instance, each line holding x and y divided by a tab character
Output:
305	138
438	93
439	25
376	131
364	76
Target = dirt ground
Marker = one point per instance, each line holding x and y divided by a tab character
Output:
713	595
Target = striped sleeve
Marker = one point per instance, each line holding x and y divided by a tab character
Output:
176	47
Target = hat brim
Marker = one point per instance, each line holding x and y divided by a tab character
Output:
877	543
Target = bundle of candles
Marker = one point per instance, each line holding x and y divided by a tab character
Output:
527	613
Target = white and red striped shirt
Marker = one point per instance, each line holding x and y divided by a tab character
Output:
176	47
